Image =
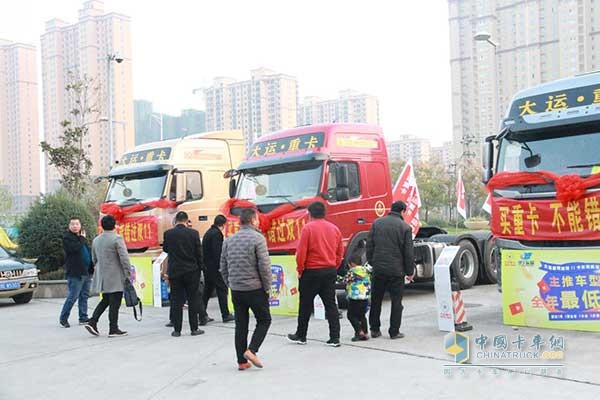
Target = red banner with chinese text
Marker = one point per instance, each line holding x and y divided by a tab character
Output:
139	232
547	219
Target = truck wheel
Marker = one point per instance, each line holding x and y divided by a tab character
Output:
465	266
23	298
489	268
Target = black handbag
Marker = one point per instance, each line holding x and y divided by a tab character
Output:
132	299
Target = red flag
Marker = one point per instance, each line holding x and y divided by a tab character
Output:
460	197
406	190
487	205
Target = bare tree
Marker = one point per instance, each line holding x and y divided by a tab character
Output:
71	156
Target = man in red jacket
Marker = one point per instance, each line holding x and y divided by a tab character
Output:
318	256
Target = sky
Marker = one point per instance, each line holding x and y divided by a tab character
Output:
395	50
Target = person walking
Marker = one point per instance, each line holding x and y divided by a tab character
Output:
78	268
110	256
212	244
390	253
358	289
318	257
246	269
182	244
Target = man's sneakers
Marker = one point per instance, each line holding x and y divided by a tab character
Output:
228	318
117	333
84	321
244	366
197	332
398	335
333	343
204	321
294	338
253	358
170	324
175	334
375	334
64	324
92	328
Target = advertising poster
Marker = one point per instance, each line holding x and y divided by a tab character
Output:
558	289
284	298
142	278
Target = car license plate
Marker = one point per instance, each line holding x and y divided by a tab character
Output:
9	285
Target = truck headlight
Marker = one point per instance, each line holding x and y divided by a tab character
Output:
30	272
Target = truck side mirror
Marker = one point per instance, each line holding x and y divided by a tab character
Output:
180	190
342	193
232	188
341	176
488	159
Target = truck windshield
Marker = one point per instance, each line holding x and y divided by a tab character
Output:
281	183
138	187
573	154
3	253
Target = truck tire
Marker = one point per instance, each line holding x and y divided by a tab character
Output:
465	266
489	268
23	298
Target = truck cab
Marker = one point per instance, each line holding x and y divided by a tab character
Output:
345	166
548	142
152	182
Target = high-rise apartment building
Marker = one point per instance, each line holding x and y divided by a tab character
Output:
97	46
350	106
409	147
19	134
267	102
535	41
148	123
442	154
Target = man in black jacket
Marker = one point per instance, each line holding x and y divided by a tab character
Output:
78	268
182	244
212	243
390	252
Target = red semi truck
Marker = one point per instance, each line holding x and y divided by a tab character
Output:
346	167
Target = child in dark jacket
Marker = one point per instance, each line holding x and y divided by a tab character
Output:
358	290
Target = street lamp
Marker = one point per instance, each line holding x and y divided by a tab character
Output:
110	58
159	118
124	127
486	37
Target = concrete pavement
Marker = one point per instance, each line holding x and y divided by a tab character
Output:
39	359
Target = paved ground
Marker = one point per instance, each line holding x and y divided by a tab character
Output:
40	360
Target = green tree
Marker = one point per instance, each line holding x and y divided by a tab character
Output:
433	183
395	170
475	192
42	228
7	218
71	157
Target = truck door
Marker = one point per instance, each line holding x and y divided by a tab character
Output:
190	195
345	212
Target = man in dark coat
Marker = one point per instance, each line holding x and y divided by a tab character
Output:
390	252
78	268
212	243
182	244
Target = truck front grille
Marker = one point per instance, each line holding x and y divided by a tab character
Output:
11	274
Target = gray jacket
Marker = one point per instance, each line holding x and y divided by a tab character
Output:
110	256
245	262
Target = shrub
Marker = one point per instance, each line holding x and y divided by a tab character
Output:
42	228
